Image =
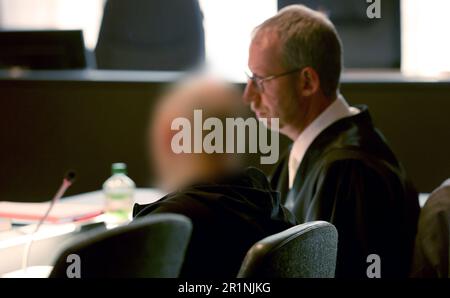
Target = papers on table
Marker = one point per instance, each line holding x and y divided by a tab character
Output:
61	212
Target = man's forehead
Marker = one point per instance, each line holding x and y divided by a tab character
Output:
266	38
264	52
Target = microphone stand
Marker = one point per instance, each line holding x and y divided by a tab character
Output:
67	182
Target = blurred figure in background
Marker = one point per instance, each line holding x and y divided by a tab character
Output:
214	99
230	208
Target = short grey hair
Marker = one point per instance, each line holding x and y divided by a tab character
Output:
308	38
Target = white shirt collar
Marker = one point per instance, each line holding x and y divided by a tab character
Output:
337	110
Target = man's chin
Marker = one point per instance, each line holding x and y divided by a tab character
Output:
267	122
262	115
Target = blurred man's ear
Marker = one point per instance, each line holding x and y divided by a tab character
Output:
166	138
309	81
160	139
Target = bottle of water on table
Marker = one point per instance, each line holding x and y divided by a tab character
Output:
119	191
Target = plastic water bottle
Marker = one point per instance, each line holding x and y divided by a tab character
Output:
119	191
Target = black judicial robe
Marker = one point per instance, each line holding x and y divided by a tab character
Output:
351	178
228	217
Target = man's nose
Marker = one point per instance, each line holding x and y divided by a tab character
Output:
250	92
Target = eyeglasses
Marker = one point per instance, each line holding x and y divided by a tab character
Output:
259	81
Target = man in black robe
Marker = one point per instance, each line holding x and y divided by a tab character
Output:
339	167
230	208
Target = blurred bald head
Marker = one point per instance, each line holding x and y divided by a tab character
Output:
215	98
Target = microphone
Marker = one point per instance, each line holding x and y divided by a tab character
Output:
68	180
70	176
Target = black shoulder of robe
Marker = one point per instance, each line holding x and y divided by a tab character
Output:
351	178
228	217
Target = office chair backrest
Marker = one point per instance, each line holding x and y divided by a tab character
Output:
153	246
306	250
151	35
432	250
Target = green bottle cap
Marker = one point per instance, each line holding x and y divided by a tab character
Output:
119	168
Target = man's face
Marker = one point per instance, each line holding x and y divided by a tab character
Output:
279	97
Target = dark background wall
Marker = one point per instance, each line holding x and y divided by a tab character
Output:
368	43
54	121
